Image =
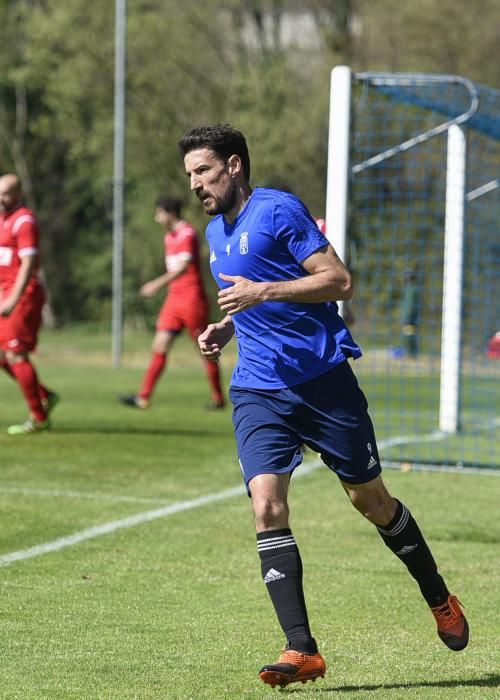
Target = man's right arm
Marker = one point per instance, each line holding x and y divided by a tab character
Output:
149	289
24	274
327	280
215	337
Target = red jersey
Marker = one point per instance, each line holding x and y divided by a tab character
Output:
19	236
321	223
182	244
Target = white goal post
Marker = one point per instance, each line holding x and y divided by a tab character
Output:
339	175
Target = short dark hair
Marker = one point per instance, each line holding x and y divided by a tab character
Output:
171	204
223	139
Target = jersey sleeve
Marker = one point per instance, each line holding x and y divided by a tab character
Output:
295	228
187	243
27	235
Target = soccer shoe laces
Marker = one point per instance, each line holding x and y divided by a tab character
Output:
452	626
449	615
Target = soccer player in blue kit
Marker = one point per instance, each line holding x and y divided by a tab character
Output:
293	385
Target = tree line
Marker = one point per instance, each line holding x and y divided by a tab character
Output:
262	65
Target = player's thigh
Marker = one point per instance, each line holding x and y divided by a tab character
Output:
19	331
266	443
169	318
333	420
270	487
196	317
163	341
16	357
4	335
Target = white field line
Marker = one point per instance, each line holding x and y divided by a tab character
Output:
89	495
107	528
148	516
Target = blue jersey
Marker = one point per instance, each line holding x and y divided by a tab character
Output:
280	344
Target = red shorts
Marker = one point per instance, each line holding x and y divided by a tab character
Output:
176	314
19	331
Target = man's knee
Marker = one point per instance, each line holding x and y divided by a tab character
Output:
372	500
269	503
269	514
15	357
162	342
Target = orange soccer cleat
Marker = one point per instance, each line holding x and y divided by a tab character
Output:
293	667
452	626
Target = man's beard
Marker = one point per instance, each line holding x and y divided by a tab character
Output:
222	205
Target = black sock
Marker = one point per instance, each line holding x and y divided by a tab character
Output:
282	573
403	537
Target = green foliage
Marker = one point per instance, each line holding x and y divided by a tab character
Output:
263	65
433	36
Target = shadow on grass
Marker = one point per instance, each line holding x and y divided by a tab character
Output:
491	680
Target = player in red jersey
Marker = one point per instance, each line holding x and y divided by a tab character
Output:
186	304
21	301
321	223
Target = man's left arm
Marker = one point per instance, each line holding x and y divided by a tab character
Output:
327	280
24	274
150	288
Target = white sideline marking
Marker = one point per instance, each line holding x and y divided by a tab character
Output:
53	493
148	516
107	528
131	521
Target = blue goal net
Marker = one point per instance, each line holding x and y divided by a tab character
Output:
424	248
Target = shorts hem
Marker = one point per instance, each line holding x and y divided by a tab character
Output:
287	470
358	480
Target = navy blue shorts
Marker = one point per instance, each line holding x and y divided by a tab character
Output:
329	414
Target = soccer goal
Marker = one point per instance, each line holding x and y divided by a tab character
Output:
413	207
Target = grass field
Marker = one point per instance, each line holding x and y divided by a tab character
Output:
129	567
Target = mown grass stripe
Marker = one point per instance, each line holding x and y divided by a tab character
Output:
148	516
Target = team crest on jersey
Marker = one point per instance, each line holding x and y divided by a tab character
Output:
244	243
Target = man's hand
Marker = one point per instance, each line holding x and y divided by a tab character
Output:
7	306
23	276
151	288
242	295
214	338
